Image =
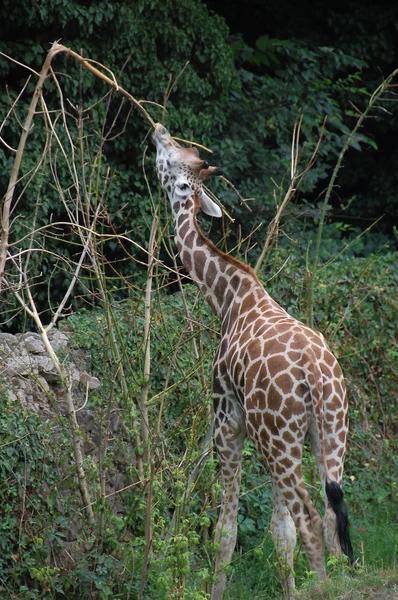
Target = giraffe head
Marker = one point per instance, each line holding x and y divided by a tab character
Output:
181	171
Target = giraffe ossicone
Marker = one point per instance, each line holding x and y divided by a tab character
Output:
274	380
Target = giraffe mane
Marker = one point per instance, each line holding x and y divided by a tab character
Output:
227	257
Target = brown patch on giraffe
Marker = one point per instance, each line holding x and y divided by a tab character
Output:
183	230
328	358
230	270
277	363
274	399
244	287
280	422
311	379
228	299
254	417
252	316
326	372
279	469
238	372
284	338
182	219
286	462
298	342
338	388
285	383
188	204
254	349
289	495
188	241
200	261
260	399
251	376
316	339
269	423
247	304
274	346
264	436
278	445
251	431
333	404
288	438
187	260
296	508
220	288
287	409
295	451
337	371
298	409
223	370
294	356
328	417
297	373
234	282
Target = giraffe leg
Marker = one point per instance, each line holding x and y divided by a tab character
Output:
229	437
334	456
284	536
305	516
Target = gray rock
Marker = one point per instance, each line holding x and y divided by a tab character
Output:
59	340
34	344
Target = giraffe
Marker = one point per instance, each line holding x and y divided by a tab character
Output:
274	380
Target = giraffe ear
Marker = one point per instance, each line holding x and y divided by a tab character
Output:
208	206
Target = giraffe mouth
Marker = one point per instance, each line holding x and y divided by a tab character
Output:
160	135
208	171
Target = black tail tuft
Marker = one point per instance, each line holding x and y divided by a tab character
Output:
336	500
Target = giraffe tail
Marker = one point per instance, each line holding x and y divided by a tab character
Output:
335	497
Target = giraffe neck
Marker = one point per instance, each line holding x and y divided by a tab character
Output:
228	285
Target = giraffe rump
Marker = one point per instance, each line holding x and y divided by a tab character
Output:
335	498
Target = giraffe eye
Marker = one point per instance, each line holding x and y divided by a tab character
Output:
182	188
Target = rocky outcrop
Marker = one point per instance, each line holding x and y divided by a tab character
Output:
30	374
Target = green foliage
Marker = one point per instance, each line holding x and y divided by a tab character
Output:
242	101
144	43
32	525
257	149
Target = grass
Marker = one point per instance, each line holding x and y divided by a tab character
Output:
254	574
366	584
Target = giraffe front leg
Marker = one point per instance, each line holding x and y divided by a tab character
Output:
284	536
229	437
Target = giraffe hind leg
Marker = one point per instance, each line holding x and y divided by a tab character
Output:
284	536
336	526
304	514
